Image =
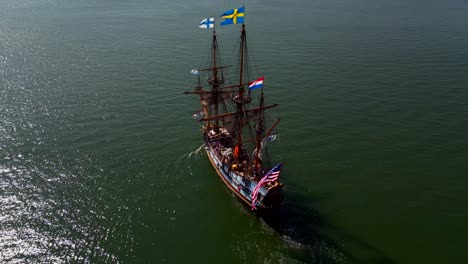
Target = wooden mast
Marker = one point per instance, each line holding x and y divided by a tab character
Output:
259	138
215	82
240	97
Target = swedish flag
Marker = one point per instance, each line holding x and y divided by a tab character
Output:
234	16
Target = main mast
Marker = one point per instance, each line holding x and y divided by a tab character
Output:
240	101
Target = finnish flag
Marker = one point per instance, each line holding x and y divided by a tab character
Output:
207	23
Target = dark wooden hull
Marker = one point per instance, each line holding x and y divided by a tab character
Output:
243	187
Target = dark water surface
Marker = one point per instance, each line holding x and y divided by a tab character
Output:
100	160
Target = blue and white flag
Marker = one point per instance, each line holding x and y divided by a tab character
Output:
199	114
207	23
194	71
272	137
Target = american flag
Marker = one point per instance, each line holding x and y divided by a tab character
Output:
270	176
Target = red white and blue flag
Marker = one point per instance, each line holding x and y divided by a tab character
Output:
270	176
256	84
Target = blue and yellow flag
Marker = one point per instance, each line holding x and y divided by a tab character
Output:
234	16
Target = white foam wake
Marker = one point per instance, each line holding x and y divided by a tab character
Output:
195	152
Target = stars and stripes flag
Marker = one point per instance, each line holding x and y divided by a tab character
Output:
270	176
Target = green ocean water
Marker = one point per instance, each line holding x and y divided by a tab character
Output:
100	159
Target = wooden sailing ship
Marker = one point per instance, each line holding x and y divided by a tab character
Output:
235	132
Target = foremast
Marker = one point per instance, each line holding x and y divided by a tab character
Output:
215	82
212	99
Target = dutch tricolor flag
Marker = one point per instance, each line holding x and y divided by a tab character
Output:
256	84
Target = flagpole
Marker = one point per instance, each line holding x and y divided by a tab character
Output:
243	6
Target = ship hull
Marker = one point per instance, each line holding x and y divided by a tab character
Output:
243	187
